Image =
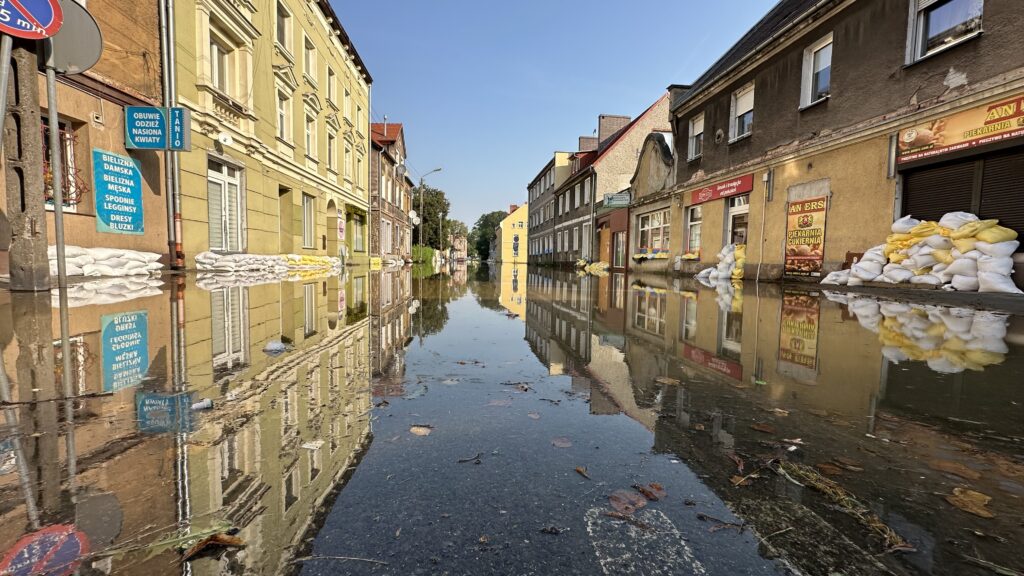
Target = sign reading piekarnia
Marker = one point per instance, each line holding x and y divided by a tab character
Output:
994	122
805	236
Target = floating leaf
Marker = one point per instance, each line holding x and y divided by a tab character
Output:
214	540
561	442
582	471
829	469
742	480
421	429
955	468
666	380
534	415
971	502
698	427
848	464
737	460
780	412
652	491
762	427
626	502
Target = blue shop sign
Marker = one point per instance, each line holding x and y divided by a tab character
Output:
125	340
145	128
162	413
118	185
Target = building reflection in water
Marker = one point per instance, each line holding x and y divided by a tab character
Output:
127	468
899	391
391	313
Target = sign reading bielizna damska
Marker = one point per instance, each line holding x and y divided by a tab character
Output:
723	189
987	124
118	184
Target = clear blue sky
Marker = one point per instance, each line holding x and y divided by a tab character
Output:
487	90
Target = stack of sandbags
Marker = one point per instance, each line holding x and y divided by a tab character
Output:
109	291
959	252
210	262
949	340
303	262
730	265
105	261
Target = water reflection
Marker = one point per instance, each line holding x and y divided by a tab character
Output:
197	407
914	401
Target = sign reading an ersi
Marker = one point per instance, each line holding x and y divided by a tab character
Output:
30	19
995	122
156	128
723	189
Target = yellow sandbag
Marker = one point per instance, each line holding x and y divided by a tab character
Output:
936	329
897	238
972	228
925	229
955	344
996	234
964	245
922	271
943	256
897	257
984	357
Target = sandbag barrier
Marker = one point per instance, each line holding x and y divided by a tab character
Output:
231	270
109	262
109	291
949	340
959	253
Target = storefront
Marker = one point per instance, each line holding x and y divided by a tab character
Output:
612	225
725	204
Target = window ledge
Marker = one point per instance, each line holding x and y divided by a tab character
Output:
741	138
286	142
284	52
815	103
949	46
310	80
695	158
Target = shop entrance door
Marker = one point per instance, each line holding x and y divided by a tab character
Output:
737	218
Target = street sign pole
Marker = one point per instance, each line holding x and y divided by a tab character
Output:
6	44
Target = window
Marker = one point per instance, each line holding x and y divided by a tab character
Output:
220	65
739	212
693	220
310	134
817	77
359	170
938	24
309	309
619	249
359	118
386	237
308	221
688	324
348	161
358	242
577	193
73	188
229	318
284	116
649	311
576	238
586	191
332	87
309	59
654	231
284	27
587	235
332	151
696	141
742	120
224	201
347	106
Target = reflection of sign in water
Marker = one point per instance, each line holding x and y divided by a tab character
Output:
125	349
805	237
161	413
515	245
118	184
708	360
54	550
798	339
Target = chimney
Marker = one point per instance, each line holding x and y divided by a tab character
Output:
608	126
512	208
588	143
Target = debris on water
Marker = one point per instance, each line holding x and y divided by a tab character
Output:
534	415
652	491
421	429
203	405
556	402
473	459
847	464
743	480
561	442
996	568
763	427
582	471
698	427
955	468
981	534
719	523
626	502
553	530
382	404
971	501
666	380
221	539
737	460
829	469
484	539
780	412
761	382
689	502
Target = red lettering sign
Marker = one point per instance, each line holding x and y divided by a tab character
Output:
708	360
723	189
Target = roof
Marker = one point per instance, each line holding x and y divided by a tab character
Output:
383	134
628	127
339	31
780	17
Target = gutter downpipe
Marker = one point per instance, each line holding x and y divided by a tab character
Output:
172	61
168	165
769	186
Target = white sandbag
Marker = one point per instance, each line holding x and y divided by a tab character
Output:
839	277
854	281
866	270
962	267
894	354
891	309
154	266
997	264
964	283
938	242
939	267
989	344
899	275
944	365
913	250
904	225
998	249
988	324
994	282
98	270
144	257
864	307
889	267
79	260
876	254
923	260
954	220
929	279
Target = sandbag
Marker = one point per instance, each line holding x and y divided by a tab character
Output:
904	224
1000	265
993	282
962	283
876	254
964	244
972	255
928	279
996	234
923	261
897	257
854	281
962	267
938	242
899	275
954	220
942	256
866	270
970	229
925	229
839	278
1006	248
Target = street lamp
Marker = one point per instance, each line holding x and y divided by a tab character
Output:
422	215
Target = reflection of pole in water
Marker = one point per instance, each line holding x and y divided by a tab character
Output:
181	468
11	419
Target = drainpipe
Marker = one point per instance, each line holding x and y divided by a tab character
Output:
168	165
593	225
769	183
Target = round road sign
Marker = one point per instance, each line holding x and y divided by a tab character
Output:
54	550
30	19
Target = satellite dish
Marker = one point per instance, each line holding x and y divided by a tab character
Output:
225	139
78	45
401	170
412	213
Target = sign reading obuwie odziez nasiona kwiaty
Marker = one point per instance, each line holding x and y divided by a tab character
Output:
995	122
805	236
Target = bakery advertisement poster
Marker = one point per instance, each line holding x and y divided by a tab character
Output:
805	236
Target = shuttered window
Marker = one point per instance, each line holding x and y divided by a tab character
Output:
225	207
931	192
1002	193
228	314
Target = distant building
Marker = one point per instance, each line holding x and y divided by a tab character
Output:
541	191
512	236
390	194
459	247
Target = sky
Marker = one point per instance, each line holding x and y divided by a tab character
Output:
488	90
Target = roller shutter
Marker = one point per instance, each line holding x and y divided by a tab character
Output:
928	193
1002	189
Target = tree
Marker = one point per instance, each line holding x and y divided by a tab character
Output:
485	231
456	228
435	211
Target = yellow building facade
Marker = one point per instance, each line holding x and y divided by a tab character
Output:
280	105
512	236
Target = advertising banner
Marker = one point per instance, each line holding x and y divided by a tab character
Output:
805	236
118	184
708	360
723	189
162	413
125	339
798	340
994	122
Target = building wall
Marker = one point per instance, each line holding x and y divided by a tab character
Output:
615	169
513	236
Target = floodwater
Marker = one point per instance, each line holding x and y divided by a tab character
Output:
507	421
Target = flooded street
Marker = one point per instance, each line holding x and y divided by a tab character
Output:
509	420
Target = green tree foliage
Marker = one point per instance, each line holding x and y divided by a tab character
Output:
435	211
485	230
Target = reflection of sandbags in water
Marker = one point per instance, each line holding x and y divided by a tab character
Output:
109	291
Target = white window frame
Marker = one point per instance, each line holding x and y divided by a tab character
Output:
229	324
309	309
347	105
734	208
807	83
220	63
348	161
308	221
332	150
916	30
734	114
693	138
311	134
284	115
332	86
283	14
586	191
575	238
691	223
225	181
645	225
309	63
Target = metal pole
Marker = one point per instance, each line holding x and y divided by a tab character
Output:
168	165
423	218
6	44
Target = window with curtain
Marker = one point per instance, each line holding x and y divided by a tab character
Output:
742	122
653	231
224	203
696	140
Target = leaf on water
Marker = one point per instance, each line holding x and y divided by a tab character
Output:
652	491
211	541
780	412
848	464
561	442
737	460
971	502
794	441
741	480
582	471
762	427
421	429
829	469
955	468
666	380
698	427
534	415
500	403
626	502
